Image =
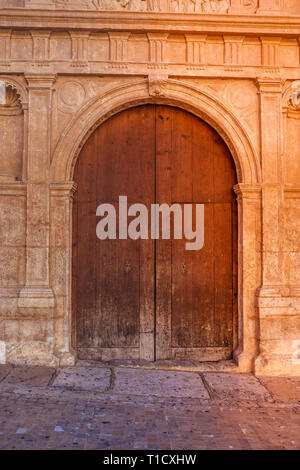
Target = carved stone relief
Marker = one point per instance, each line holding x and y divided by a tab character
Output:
71	96
10	103
176	6
11	133
157	85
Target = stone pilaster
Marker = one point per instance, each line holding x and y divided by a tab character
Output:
41	45
118	42
79	47
61	267
233	50
157	46
271	153
196	49
249	273
278	322
270	49
37	292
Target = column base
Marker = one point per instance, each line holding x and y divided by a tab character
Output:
66	358
36	297
245	361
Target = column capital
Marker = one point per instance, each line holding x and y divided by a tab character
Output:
80	34
270	84
158	36
7	33
190	37
40	34
40	81
63	188
230	38
247	191
270	40
118	35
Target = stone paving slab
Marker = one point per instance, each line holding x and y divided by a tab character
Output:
83	378
159	383
4	370
29	375
285	389
53	419
236	386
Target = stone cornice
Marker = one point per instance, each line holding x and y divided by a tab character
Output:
103	68
287	26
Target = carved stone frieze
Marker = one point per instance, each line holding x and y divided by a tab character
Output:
176	6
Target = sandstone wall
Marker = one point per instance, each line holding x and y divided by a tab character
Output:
69	65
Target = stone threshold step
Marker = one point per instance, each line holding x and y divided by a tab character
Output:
183	366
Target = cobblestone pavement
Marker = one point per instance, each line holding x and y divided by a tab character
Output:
87	407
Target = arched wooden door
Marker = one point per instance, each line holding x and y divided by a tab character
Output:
153	299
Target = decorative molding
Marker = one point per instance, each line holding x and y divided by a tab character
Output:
176	92
40	82
63	189
157	6
70	96
157	45
196	49
270	48
79	47
41	45
79	53
248	191
233	50
292	191
10	187
36	297
270	85
118	46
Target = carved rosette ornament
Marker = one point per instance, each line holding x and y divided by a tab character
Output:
293	105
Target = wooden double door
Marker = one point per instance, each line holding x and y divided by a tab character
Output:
153	299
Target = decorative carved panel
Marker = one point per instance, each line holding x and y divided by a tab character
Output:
176	6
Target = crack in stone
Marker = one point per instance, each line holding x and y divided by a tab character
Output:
112	380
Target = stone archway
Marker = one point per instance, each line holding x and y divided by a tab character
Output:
248	191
